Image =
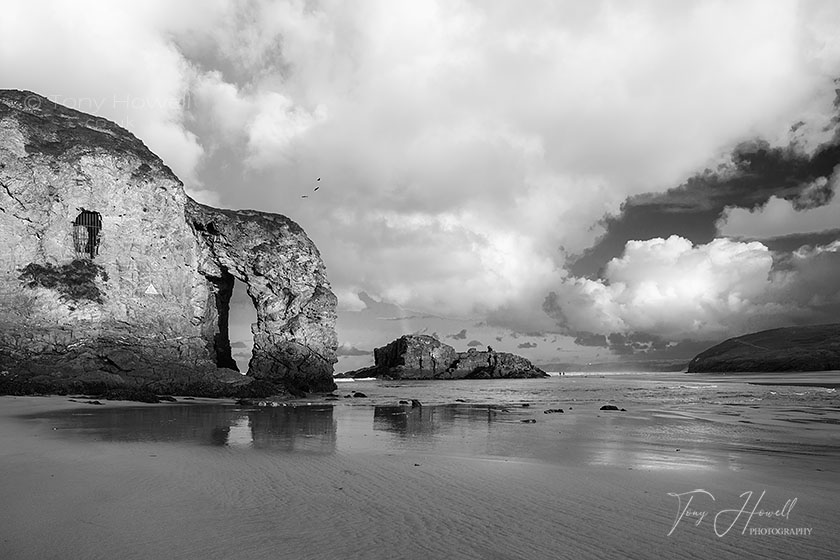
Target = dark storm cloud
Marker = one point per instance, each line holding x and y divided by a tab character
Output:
591	339
691	210
644	346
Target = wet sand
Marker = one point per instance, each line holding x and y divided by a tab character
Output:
368	484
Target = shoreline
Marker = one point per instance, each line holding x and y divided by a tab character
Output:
428	482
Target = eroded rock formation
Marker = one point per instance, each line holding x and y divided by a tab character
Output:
425	357
294	338
112	276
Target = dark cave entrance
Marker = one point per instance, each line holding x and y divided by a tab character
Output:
233	342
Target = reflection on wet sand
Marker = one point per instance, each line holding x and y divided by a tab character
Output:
294	428
304	428
648	439
427	421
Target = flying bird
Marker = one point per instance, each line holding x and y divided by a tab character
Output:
304	196
316	188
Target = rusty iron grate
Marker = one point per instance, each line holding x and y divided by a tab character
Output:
87	228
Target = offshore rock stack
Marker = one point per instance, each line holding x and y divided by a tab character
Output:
425	357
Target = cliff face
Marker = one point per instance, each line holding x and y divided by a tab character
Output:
425	357
811	348
112	276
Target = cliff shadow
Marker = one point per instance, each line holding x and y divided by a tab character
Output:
223	290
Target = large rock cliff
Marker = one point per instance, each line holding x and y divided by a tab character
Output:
425	357
111	276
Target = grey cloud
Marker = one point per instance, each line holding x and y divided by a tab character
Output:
591	339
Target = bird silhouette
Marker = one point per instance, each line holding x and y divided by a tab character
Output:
316	188
304	196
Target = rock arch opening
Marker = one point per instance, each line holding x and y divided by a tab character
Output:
241	324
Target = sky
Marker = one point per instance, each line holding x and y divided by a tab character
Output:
574	181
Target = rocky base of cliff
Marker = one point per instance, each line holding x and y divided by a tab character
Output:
131	368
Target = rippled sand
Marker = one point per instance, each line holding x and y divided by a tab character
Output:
370	478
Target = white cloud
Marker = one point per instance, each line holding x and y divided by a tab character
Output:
275	127
112	59
671	288
780	217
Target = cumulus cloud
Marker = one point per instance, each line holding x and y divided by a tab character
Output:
527	345
668	287
474	343
815	210
666	298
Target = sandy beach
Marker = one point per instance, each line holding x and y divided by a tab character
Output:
352	486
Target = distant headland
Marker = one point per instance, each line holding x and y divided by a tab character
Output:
788	349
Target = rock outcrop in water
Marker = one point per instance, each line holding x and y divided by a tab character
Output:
811	348
112	277
425	357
